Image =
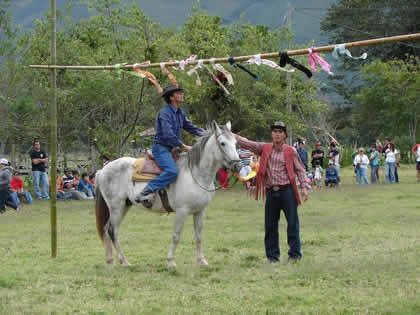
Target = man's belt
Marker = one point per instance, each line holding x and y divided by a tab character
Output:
279	187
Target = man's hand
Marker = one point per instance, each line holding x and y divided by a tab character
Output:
304	194
186	147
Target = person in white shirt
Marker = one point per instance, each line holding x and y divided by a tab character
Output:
418	163
361	162
391	162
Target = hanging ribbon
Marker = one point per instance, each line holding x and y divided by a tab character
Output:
235	65
342	50
166	72
186	61
257	60
217	80
220	68
148	75
314	58
285	59
194	70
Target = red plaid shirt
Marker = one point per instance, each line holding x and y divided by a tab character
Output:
276	166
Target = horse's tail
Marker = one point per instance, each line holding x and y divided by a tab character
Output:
102	213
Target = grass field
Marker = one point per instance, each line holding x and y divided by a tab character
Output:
360	245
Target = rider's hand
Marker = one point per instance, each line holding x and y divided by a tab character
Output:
186	147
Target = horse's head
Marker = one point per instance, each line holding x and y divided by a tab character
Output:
226	144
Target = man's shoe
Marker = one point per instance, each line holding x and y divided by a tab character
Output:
144	195
272	261
293	260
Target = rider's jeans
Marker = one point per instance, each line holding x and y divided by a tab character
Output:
165	161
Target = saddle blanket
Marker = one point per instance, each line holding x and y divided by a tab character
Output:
145	170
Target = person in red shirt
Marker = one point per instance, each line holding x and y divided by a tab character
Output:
16	184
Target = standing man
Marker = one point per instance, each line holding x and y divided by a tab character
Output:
39	160
303	154
418	163
374	164
317	155
169	122
276	180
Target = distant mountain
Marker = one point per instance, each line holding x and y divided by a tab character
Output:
305	23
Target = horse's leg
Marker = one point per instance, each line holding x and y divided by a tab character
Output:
179	224
116	219
108	249
198	227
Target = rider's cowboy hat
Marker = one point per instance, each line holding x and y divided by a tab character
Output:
279	125
168	90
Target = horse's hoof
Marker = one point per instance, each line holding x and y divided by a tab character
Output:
109	262
203	262
125	264
171	264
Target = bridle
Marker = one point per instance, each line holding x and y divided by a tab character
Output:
225	160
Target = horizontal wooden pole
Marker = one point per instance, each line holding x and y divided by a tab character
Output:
272	55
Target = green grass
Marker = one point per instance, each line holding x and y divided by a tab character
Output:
360	244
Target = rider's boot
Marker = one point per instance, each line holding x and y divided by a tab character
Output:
145	197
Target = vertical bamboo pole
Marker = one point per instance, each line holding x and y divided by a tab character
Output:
53	136
289	79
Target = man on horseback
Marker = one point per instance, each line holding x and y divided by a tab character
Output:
169	122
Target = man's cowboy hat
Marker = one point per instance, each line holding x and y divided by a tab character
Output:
168	90
279	125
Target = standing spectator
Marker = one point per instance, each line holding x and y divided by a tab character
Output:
331	175
279	166
317	155
418	163
39	160
223	175
246	160
303	154
387	145
374	164
85	186
16	184
361	162
335	157
7	196
390	163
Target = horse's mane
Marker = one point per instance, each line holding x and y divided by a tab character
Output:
194	156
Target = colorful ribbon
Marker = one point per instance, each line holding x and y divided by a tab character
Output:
148	75
285	59
217	80
165	71
342	50
220	68
315	58
257	60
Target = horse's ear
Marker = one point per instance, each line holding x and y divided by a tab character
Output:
215	127
228	126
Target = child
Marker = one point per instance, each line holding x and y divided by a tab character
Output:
317	176
331	175
85	186
7	196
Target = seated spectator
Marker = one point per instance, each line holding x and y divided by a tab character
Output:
86	187
331	175
335	157
59	183
7	196
92	180
76	179
16	184
317	174
70	184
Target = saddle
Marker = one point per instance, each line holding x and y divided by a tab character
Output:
147	168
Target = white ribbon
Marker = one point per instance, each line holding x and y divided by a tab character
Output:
342	50
194	70
257	60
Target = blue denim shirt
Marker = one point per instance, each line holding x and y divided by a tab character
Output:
331	173
303	155
169	123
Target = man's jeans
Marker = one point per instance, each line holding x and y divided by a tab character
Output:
390	172
40	177
165	161
373	170
361	175
281	200
13	200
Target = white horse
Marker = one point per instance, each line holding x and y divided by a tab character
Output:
190	193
